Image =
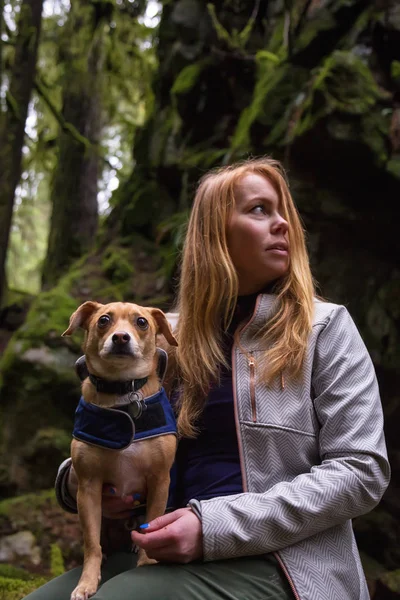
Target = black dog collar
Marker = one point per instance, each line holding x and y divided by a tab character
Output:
82	371
117	387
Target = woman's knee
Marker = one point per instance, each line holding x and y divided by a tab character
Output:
147	583
59	588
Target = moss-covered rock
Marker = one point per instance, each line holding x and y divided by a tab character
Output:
39	389
56	533
19	584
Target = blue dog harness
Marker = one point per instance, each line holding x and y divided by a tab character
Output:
118	427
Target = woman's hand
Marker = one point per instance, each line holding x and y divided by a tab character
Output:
114	506
175	537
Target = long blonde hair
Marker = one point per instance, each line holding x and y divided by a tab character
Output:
208	290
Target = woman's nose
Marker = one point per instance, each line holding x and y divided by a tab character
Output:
280	225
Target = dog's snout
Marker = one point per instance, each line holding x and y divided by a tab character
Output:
121	337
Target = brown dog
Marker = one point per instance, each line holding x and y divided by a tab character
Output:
121	357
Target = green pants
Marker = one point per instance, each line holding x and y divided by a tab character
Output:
249	578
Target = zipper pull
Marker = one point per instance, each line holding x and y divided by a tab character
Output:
252	367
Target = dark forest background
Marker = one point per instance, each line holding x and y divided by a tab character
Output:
110	111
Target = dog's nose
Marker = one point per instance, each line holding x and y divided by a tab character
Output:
121	337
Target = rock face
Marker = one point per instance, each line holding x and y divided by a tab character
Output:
19	545
39	389
317	87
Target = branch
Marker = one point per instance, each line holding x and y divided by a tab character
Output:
287	33
302	18
65	126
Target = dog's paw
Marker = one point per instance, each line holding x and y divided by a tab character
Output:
145	560
84	590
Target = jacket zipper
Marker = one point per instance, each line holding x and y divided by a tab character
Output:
235	402
252	367
284	569
254	415
235	410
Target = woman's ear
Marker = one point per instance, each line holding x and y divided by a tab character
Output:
81	315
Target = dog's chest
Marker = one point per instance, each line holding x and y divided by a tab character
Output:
129	467
127	470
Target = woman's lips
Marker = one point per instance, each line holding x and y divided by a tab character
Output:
280	251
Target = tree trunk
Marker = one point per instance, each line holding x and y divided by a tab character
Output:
1	43
13	122
74	190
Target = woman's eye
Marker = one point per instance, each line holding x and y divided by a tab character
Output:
258	210
142	323
103	321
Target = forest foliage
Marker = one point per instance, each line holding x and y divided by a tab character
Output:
126	113
128	64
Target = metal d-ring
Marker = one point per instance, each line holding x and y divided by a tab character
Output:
135	406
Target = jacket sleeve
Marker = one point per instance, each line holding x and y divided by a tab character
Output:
351	477
64	498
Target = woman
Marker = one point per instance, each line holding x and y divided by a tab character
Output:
279	410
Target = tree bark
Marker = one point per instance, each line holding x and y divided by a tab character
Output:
74	190
12	127
1	43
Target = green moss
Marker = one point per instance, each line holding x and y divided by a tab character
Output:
147	198
56	561
15	508
392	580
16	297
269	72
324	21
117	263
393	166
236	40
48	316
205	159
49	439
11	572
187	78
276	42
166	126
15	589
174	230
395	69
16	583
343	83
374	133
372	569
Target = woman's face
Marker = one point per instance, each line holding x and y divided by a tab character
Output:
257	234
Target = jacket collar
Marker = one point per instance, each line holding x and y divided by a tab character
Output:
265	308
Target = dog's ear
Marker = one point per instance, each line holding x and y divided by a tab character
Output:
81	315
163	326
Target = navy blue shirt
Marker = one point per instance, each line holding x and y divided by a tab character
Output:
209	465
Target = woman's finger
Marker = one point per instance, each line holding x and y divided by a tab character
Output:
150	541
165	554
163	521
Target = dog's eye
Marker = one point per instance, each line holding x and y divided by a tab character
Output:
103	321
142	323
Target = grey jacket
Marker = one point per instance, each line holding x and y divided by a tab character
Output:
313	457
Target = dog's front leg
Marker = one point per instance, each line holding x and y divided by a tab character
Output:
157	497
89	508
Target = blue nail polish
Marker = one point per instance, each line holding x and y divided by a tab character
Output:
136	496
144	526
